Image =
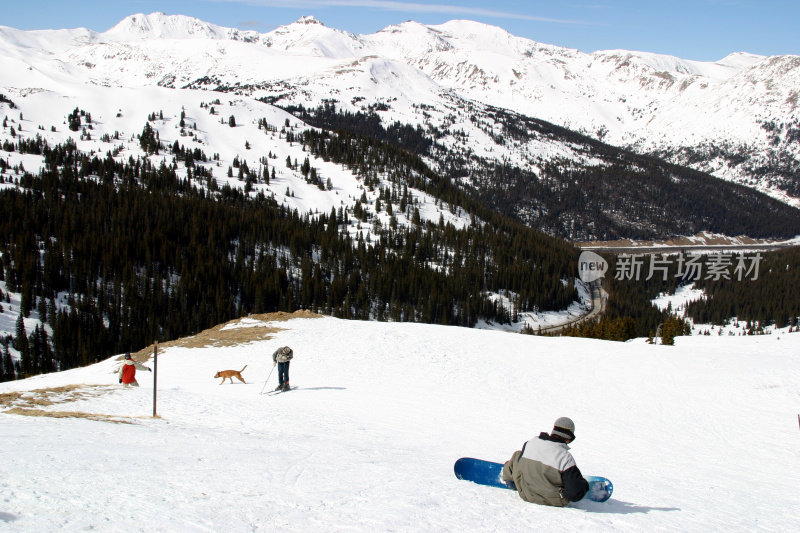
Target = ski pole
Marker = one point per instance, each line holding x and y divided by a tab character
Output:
265	383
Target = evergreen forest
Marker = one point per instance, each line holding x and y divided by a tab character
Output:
115	255
755	288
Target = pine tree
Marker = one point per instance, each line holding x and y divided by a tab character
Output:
416	220
7	363
21	344
74	120
148	139
673	327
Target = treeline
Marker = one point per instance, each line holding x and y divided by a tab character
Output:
645	200
518	253
760	288
618	200
772	298
327	116
113	255
624	328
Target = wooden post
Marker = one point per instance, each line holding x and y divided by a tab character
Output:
155	377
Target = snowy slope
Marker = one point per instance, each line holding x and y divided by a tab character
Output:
638	98
736	118
696	437
120	113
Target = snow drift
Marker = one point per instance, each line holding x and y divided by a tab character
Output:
696	437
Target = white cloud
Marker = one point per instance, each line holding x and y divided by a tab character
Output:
414	7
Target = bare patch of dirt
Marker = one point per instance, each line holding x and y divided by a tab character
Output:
251	328
99	417
52	395
30	403
7	398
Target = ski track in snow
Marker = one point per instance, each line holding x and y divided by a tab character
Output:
696	437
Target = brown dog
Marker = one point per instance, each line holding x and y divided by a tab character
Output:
230	374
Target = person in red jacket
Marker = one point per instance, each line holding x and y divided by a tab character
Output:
127	372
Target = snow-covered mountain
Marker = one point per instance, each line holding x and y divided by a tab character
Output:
699	436
737	118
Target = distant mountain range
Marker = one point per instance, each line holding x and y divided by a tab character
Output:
485	101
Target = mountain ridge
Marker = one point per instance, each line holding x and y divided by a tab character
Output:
647	102
446	80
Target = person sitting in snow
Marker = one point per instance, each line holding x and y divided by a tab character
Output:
127	372
281	357
544	471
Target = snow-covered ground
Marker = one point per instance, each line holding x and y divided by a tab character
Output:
677	302
701	436
535	320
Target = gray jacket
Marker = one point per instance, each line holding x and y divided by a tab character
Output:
545	473
280	357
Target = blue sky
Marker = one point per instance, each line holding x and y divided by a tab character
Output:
693	29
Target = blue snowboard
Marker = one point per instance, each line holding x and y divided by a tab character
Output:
489	473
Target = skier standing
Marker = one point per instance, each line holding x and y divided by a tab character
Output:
127	372
281	357
544	471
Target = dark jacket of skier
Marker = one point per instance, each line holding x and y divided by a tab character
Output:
282	355
544	471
